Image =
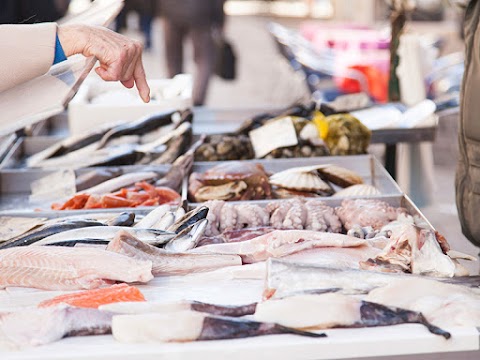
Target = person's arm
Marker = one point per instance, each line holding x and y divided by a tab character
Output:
27	52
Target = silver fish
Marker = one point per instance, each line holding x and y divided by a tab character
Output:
166	221
188	238
151	236
152	217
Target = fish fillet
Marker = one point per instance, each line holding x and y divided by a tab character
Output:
444	304
281	243
61	268
166	262
33	327
97	297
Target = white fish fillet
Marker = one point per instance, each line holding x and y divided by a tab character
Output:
34	326
281	243
61	268
310	311
442	304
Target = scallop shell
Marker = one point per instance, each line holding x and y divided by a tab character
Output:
300	181
358	190
340	176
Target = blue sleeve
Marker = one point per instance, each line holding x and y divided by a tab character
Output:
59	53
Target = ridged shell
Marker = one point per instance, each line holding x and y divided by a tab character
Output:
301	181
358	190
340	176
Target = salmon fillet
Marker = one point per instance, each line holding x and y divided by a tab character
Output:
95	298
63	268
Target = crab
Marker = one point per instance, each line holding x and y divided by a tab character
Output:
233	180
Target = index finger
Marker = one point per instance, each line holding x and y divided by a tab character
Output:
141	81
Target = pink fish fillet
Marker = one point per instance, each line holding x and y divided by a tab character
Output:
62	268
281	243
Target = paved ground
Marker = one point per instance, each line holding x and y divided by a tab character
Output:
265	80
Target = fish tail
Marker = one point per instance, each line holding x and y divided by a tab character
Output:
287	330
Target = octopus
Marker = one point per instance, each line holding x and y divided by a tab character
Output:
364	212
322	217
252	216
231	181
296	217
213	217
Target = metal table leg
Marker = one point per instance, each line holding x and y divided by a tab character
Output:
391	159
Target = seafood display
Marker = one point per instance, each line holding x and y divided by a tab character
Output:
155	139
233	180
62	268
316	135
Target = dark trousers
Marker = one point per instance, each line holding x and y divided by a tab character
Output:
203	52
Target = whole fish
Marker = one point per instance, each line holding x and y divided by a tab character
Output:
188	238
123	219
189	219
151	236
139	127
285	277
166	262
49	230
146	307
39	326
152	217
334	310
281	243
176	146
63	268
185	326
120	182
165	221
70	144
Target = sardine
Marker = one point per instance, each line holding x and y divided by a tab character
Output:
120	182
166	262
146	307
151	236
81	242
188	238
285	277
40	326
124	219
49	230
152	217
280	243
192	326
334	310
139	127
189	219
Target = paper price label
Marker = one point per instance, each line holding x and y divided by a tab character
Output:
276	134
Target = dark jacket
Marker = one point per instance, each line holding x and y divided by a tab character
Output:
467	181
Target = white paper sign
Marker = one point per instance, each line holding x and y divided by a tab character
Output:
276	134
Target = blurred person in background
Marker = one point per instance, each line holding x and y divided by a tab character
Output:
198	19
467	180
146	12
